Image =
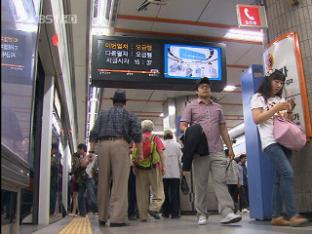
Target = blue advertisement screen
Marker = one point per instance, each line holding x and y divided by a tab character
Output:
192	62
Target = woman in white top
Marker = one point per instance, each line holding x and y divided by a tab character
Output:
171	178
265	104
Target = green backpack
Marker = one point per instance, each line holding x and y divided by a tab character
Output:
150	154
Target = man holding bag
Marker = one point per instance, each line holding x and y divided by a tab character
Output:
209	115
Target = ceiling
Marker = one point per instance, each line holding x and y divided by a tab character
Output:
208	20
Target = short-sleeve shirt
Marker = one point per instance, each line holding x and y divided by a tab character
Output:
209	117
265	128
159	143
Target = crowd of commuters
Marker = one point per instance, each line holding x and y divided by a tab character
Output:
136	174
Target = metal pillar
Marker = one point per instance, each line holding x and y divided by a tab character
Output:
260	169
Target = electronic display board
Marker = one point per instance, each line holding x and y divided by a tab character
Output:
192	62
127	58
145	63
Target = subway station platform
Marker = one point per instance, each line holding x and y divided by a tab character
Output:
184	225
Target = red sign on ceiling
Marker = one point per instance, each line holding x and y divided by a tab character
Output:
251	16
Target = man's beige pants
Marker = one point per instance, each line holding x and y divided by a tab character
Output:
114	166
146	178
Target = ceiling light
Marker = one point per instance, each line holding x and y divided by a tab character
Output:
161	115
229	88
245	35
101	31
171	109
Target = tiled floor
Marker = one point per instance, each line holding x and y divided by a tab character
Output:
184	225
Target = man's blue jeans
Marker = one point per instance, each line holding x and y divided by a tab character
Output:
283	191
82	199
91	196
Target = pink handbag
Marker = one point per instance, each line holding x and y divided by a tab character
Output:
288	134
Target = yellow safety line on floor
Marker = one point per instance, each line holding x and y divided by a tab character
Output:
78	225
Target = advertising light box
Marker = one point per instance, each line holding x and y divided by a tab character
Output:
143	63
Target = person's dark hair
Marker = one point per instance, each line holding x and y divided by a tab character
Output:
226	152
83	147
266	86
204	80
242	156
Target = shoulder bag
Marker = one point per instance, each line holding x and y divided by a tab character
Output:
288	133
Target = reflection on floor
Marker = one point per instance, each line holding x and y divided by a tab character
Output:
184	225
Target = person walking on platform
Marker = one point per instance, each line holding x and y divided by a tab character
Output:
91	171
80	162
171	179
209	115
149	172
243	188
232	180
266	103
110	137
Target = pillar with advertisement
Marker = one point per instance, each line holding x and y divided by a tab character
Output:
284	54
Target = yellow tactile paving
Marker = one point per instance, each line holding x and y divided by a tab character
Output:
78	225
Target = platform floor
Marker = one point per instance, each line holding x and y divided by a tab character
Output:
184	225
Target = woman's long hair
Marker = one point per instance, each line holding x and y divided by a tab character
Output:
265	88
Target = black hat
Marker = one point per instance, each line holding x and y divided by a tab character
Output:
203	80
119	95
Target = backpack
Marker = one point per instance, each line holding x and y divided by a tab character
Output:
150	154
148	144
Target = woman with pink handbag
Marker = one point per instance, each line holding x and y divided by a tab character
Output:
265	104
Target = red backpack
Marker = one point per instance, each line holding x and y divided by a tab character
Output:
148	143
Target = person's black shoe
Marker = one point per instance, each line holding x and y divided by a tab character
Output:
118	224
175	216
165	216
102	223
154	214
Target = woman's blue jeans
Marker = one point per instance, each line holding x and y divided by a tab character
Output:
283	191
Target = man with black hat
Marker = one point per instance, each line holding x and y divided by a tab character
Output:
209	115
110	137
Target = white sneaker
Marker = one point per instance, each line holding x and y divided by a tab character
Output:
202	220
231	218
245	210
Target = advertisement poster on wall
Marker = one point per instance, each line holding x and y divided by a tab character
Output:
284	54
19	36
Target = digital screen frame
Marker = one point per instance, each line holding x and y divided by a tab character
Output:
123	76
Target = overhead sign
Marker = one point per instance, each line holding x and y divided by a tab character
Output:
251	16
284	54
127	58
145	63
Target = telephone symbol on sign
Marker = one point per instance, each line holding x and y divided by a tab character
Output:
247	14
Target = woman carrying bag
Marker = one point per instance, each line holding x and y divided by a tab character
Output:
265	104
